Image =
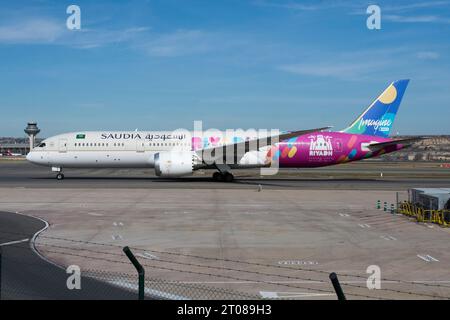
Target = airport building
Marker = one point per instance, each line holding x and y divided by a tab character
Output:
15	148
20	146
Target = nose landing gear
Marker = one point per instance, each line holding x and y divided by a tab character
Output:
59	174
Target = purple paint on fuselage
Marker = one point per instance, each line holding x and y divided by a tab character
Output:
329	148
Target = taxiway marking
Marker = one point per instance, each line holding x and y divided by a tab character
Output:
427	258
389	238
13	242
284	295
147	255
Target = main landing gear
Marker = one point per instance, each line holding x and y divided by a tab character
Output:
223	176
60	176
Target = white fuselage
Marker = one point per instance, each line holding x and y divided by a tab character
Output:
131	149
107	149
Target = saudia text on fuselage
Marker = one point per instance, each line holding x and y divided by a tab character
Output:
141	136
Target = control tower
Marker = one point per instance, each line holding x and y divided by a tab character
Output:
32	130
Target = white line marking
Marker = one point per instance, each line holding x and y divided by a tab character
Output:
389	238
129	285
364	226
432	259
147	255
427	258
95	214
35	236
283	295
13	242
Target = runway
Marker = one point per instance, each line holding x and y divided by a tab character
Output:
357	176
25	275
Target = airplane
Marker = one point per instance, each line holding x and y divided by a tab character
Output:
8	153
176	154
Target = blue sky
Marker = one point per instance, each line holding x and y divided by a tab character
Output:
157	65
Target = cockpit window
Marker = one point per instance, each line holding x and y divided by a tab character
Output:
42	145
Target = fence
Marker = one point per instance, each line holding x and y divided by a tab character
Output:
166	290
440	217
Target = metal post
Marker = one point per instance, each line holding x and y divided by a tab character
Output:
140	270
337	287
0	273
397	202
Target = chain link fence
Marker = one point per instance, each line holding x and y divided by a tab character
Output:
166	290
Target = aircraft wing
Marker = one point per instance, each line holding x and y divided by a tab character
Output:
240	148
408	141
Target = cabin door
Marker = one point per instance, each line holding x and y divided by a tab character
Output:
62	145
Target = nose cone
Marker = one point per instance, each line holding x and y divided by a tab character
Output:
31	157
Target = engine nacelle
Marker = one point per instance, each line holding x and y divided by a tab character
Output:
174	163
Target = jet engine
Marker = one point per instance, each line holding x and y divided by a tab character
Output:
174	163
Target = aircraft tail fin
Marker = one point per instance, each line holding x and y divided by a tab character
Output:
379	117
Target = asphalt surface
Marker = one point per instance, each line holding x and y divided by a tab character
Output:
357	176
25	275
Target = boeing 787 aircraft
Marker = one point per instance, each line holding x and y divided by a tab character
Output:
180	153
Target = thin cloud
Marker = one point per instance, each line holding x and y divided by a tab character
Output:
179	43
416	5
428	55
32	31
95	38
348	65
416	19
343	71
305	5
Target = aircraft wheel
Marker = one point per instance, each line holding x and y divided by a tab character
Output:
228	177
217	176
59	176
